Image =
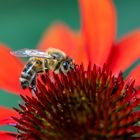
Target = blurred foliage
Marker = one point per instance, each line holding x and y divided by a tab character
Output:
22	22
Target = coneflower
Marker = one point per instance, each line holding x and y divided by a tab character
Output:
87	104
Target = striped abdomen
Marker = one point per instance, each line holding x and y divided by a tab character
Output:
28	75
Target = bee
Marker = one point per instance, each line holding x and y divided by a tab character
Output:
40	62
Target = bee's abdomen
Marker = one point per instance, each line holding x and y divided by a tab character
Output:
27	75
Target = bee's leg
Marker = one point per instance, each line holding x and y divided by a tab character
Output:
38	70
46	70
33	84
45	64
43	76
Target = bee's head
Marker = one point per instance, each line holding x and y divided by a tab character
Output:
66	65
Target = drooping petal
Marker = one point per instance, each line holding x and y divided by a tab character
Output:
60	36
6	114
4	135
126	52
136	74
10	71
98	28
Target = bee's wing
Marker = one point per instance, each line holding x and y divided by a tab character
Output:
30	53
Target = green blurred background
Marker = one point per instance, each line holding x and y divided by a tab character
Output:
22	23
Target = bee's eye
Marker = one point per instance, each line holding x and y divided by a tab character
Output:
65	65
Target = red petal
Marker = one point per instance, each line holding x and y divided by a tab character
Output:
98	28
60	36
6	114
138	94
7	135
10	70
136	74
126	52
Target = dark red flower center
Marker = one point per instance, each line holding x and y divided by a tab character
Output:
83	105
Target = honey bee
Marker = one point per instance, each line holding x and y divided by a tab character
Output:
40	62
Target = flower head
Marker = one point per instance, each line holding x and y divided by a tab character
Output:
90	104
